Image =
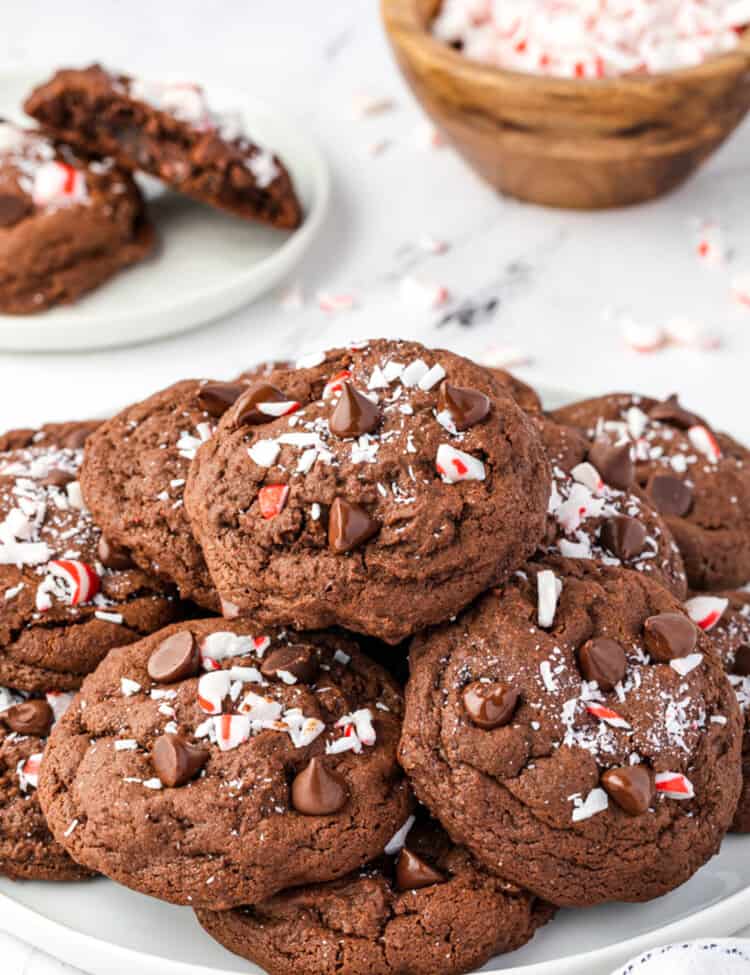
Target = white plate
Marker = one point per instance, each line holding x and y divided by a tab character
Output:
106	929
207	263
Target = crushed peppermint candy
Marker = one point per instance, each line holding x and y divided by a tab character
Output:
549	587
706	611
595	802
674	785
398	841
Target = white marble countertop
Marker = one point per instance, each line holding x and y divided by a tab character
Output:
555	275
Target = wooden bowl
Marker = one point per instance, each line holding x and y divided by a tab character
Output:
564	142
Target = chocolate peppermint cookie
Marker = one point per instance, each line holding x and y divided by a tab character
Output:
426	909
134	476
169	131
381	488
68	593
698	479
27	848
65	225
576	731
590	519
726	616
274	767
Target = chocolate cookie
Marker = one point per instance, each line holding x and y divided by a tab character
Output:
576	731
275	768
65	225
590	519
134	474
429	909
727	617
526	397
169	131
68	594
27	848
698	479
381	488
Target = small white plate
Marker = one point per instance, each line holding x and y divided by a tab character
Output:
106	929
207	263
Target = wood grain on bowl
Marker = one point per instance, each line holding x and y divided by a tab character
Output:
571	143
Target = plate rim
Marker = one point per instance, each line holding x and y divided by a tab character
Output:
273	267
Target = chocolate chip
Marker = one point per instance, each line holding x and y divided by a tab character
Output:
30	718
176	658
349	525
669	636
112	556
58	478
741	665
412	873
177	760
317	791
216	398
466	406
77	438
298	660
623	536
631	787
670	495
247	412
671	411
604	661
12	209
614	463
490	705
229	610
353	414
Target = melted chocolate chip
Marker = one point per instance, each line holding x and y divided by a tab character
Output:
176	658
30	718
59	479
631	787
77	438
176	760
490	705
353	414
216	398
412	873
13	208
670	495
298	660
349	526
671	411
614	463
112	556
741	665
669	636
604	661
466	406
316	791
248	413
624	537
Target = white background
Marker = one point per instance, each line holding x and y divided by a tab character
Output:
556	274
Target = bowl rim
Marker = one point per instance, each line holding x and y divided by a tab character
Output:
403	15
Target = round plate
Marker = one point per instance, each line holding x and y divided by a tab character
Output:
207	263
107	929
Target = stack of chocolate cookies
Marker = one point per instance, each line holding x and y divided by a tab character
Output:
384	663
71	214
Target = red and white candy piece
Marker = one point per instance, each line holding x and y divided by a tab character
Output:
643	338
81	580
213	688
706	611
272	499
423	294
58	184
704	441
607	715
231	730
456	465
549	588
589	476
59	702
674	785
259	708
223	645
741	289
283	408
711	246
27	771
333	303
595	802
336	383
